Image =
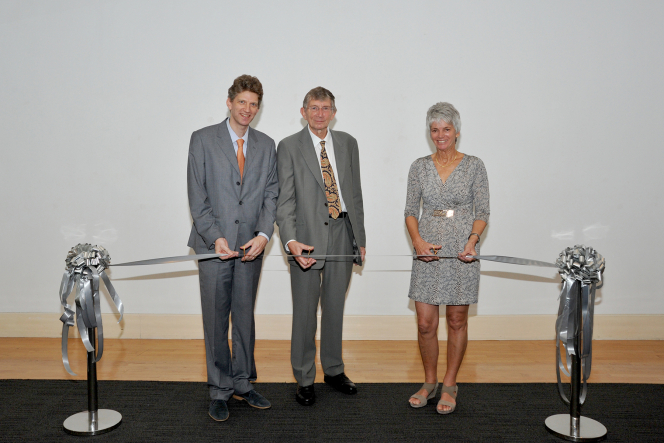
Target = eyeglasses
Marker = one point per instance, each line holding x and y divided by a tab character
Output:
325	109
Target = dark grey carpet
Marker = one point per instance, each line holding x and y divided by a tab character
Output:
34	410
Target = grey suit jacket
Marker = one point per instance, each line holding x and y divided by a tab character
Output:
220	205
302	213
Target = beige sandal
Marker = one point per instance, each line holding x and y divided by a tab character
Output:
452	392
430	388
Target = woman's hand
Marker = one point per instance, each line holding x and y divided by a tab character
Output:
468	250
423	248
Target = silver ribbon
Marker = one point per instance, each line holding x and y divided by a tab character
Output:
85	264
179	258
496	258
578	266
514	260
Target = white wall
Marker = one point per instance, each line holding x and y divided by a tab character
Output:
563	101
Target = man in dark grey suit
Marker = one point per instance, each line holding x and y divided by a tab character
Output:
233	189
320	210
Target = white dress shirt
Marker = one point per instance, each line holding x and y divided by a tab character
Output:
234	139
329	149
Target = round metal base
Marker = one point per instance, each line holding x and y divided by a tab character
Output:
589	429
80	424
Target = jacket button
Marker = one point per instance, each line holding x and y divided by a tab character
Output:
325	204
325	223
237	183
237	222
240	201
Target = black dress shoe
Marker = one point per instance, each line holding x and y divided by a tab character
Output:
218	410
305	395
341	383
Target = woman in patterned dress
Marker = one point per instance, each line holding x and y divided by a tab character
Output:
454	191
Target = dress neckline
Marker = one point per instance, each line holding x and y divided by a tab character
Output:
451	173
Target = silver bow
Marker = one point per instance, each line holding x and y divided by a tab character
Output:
85	264
581	269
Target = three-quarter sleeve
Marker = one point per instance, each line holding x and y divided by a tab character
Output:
481	193
413	192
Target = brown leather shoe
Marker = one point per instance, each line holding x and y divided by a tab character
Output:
218	410
254	399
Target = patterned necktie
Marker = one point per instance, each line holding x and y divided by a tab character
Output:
333	202
240	156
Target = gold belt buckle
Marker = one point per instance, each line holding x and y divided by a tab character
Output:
443	213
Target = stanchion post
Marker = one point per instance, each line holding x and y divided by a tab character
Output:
573	426
92	381
575	397
94	421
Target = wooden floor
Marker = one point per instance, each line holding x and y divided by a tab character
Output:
366	361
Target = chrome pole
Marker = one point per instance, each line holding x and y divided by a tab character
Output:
573	426
92	381
574	401
94	421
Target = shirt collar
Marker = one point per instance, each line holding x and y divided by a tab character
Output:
316	139
234	137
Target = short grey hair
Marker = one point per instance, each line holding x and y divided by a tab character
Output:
446	112
319	93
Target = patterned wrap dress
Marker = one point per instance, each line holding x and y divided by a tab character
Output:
447	281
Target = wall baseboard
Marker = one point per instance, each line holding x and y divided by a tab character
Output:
356	327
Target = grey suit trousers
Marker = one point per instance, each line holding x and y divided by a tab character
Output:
229	286
329	285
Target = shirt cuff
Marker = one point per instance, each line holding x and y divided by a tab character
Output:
264	235
286	247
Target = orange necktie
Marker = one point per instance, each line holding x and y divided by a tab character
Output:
240	156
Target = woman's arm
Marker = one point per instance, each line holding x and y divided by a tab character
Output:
421	247
469	249
413	200
480	189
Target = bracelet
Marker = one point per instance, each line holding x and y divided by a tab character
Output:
475	233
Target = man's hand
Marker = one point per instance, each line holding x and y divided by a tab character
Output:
221	247
297	248
253	248
363	252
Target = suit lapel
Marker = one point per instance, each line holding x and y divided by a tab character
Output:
252	153
226	145
309	154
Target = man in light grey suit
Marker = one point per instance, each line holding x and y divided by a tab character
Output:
233	188
320	210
